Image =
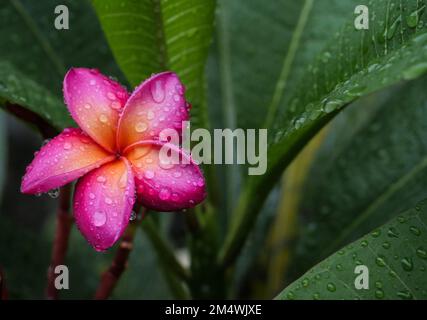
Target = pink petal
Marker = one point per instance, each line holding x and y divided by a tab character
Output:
95	102
157	104
103	202
65	158
162	186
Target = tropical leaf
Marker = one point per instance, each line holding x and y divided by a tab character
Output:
353	64
367	178
152	36
262	49
34	55
394	254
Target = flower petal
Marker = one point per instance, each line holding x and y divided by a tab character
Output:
95	102
157	104
65	158
163	186
103	202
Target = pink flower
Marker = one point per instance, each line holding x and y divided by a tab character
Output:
115	153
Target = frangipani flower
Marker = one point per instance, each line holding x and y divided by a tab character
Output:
115	153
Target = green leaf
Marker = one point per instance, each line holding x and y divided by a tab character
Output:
151	36
16	88
34	55
353	64
368	177
395	255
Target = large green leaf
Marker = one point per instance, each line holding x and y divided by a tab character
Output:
263	48
367	177
149	36
395	255
353	64
34	55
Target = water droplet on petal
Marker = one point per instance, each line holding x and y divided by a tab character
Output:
116	105
53	193
149	174
111	96
101	179
67	146
87	106
164	194
157	91
132	216
165	164
150	115
103	118
92	195
99	218
141	127
108	200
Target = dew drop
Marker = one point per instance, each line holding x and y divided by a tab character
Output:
405	295
115	105
141	127
101	179
157	91
422	253
108	200
407	264
92	196
331	287
305	282
415	230
379	294
132	216
99	218
150	115
386	245
87	106
392	233
53	193
111	96
103	118
67	146
380	261
149	174
164	194
166	165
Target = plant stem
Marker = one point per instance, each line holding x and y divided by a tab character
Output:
3	290
110	277
64	222
164	252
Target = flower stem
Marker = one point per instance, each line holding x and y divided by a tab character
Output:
64	221
110	277
164	251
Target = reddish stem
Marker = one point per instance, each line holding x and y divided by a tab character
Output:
64	222
110	277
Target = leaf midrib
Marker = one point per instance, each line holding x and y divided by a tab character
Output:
288	62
